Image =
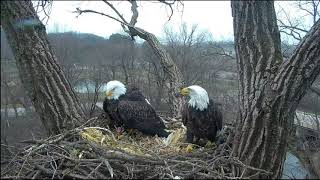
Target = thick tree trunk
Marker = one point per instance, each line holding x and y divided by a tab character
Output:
270	89
42	77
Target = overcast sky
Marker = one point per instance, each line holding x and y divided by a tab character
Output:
212	16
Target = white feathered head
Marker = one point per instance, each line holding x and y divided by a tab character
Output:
115	89
199	98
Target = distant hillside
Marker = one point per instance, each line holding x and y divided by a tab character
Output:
115	55
83	37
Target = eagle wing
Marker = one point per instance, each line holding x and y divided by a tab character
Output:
140	115
216	115
134	94
185	114
203	123
110	107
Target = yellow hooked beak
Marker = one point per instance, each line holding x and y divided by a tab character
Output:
109	93
184	91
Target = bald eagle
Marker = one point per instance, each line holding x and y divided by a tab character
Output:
201	116
130	109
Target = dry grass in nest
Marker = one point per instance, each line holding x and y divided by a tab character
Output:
96	152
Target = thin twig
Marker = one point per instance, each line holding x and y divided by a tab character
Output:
116	11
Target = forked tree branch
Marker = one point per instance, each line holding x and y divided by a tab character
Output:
293	28
314	8
116	11
170	6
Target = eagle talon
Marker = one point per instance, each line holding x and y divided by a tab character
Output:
119	130
129	131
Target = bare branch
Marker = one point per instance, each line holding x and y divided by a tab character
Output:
311	7
116	11
292	34
301	6
170	6
96	12
135	13
291	27
44	6
134	17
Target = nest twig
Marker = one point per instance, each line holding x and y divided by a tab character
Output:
68	155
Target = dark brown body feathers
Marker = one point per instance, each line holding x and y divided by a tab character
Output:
133	112
202	124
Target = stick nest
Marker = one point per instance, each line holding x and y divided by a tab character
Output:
97	152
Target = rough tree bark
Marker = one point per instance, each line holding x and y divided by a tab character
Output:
269	88
169	67
42	78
